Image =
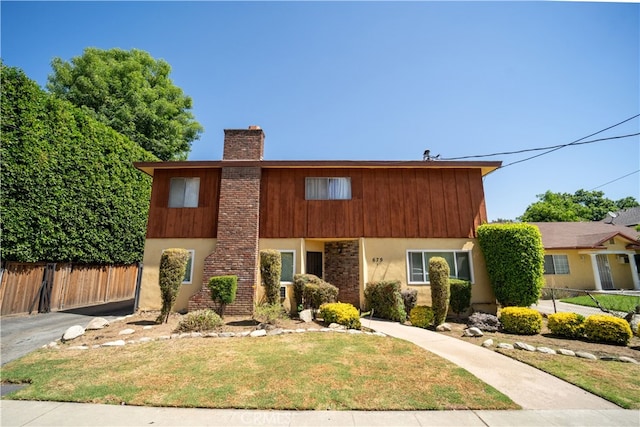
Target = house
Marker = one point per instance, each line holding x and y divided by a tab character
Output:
629	217
349	222
590	255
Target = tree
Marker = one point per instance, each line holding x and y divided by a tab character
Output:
131	92
583	205
68	187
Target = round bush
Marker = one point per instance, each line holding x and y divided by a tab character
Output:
608	329
520	320
199	321
421	316
341	313
568	325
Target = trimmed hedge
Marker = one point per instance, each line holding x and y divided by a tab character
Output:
520	320
199	321
69	190
440	291
514	257
341	313
385	300
316	294
569	325
460	299
608	329
173	264
223	290
421	316
270	271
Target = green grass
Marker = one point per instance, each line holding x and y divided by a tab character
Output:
615	381
301	371
624	303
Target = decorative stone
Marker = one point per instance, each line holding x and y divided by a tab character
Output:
145	339
566	352
147	327
609	359
118	343
488	343
354	331
72	333
523	346
628	360
164	337
195	334
473	332
79	347
337	326
585	355
505	346
227	334
243	334
211	335
379	334
258	333
306	315
325	330
277	331
97	323
445	327
546	350
127	331
300	330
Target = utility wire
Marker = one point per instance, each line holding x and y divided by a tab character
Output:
617	179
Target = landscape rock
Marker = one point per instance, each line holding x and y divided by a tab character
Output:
145	339
300	330
585	355
473	332
566	352
505	345
227	334
628	360
127	331
211	335
118	343
354	331
484	321
79	347
523	346
97	323
72	333
306	315
445	327
634	323
195	334
488	343
147	327
277	331
337	326
546	350
258	333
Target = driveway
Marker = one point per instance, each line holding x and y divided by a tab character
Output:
23	334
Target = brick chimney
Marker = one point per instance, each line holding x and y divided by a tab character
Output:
236	251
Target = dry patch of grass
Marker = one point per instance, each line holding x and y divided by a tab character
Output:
298	371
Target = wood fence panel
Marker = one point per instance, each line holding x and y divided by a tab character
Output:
20	287
122	282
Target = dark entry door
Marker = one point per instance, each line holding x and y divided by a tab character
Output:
314	263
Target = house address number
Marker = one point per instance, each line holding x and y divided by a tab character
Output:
377	260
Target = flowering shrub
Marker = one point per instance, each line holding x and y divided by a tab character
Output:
601	328
341	313
568	325
421	316
521	320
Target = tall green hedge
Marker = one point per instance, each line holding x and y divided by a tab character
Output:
270	270
515	262
68	187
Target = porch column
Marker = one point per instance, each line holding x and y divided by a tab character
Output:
634	271
596	272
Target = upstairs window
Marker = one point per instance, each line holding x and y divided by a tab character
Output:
328	189
459	265
184	192
556	264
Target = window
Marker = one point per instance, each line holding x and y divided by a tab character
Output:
459	264
188	273
328	189
184	192
288	266
556	264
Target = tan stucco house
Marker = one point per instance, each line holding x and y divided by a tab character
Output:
590	255
349	222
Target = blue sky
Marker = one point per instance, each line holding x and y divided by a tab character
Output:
382	80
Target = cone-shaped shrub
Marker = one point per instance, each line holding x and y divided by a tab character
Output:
439	278
173	265
270	270
223	290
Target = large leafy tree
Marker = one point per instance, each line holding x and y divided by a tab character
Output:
131	92
583	205
68	187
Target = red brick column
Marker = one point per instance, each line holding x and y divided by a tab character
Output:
342	269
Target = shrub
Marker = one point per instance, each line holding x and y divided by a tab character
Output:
173	264
515	262
270	270
521	320
410	299
440	292
484	321
421	316
385	300
341	313
223	290
316	294
460	296
602	328
568	325
199	321
300	281
269	313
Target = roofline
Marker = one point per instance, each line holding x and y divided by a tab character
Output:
485	167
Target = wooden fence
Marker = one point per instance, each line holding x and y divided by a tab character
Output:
42	287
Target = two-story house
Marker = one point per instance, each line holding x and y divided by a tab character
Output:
348	222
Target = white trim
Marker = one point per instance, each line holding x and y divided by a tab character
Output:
425	267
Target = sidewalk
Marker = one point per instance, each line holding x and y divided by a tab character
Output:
27	413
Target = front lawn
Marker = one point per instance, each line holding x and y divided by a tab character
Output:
313	370
623	303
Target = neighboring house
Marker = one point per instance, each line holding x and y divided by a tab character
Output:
629	217
349	222
590	255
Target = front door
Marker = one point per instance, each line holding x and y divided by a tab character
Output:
605	271
314	263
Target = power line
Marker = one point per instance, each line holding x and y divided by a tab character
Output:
617	179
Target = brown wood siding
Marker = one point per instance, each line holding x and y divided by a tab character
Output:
200	222
386	202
